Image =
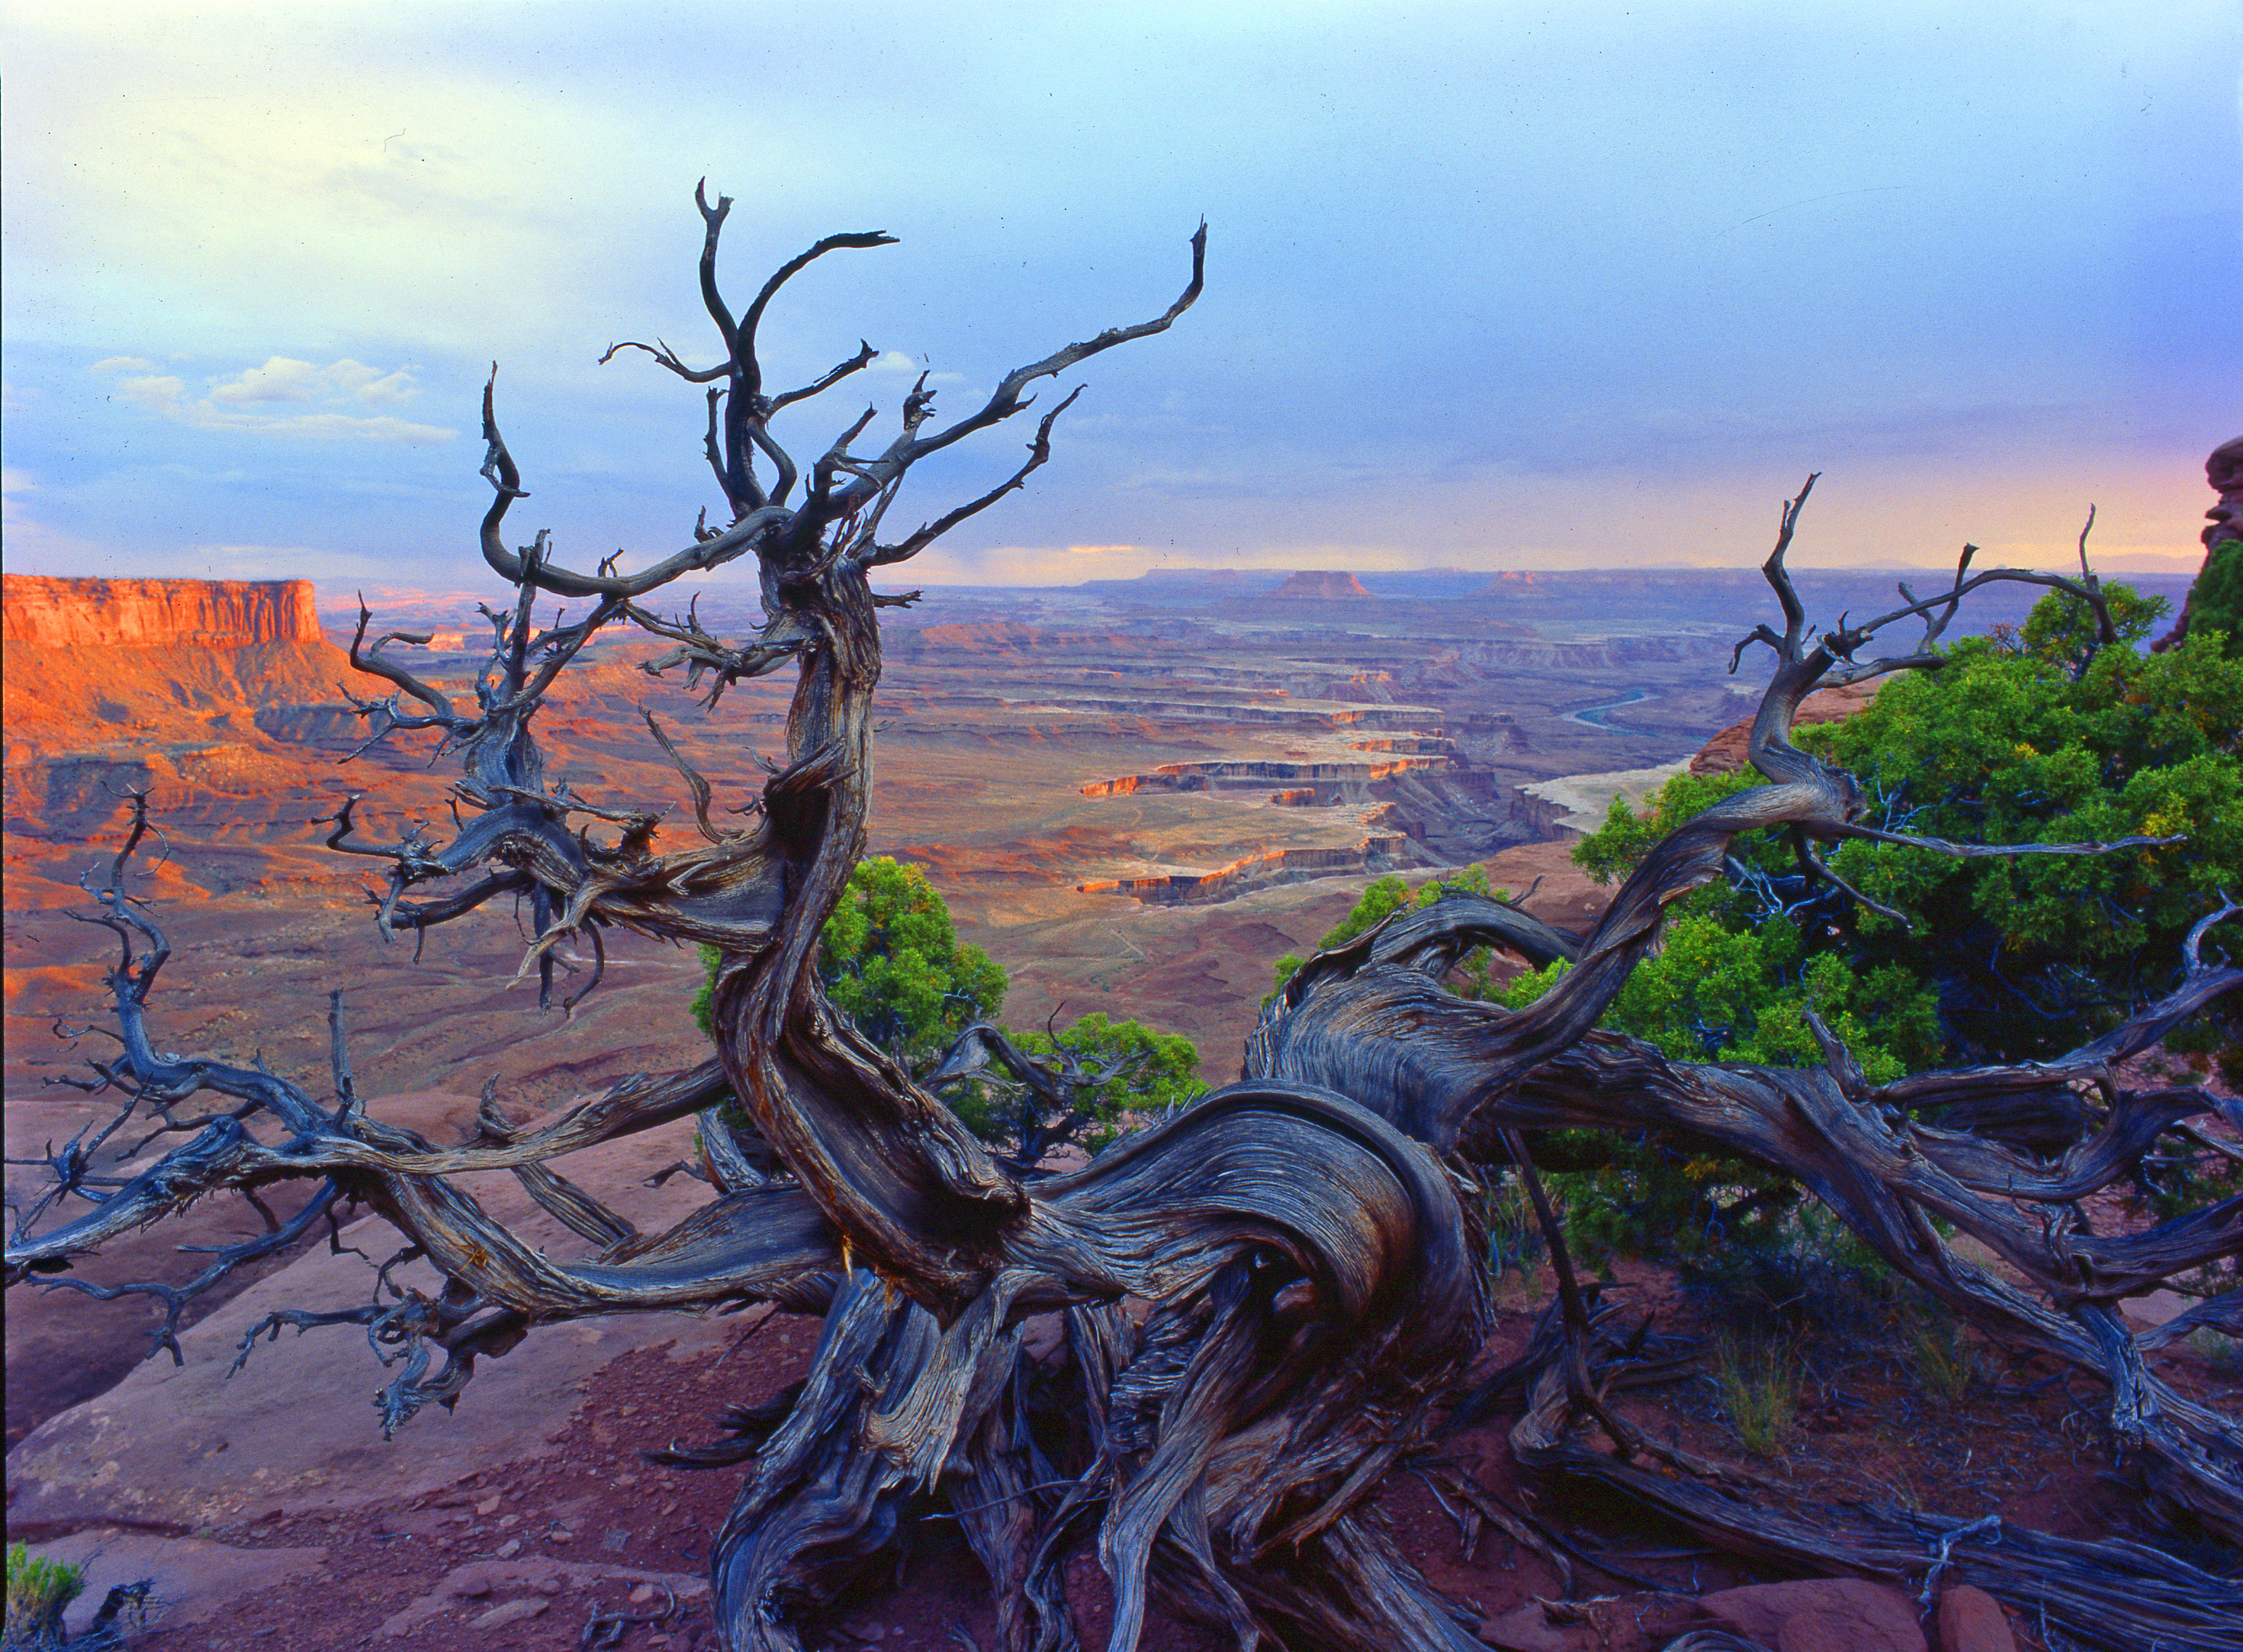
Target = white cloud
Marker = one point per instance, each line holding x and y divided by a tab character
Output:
282	379
157	393
260	400
897	361
285	379
391	389
121	364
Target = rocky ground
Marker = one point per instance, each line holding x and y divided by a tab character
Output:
271	1516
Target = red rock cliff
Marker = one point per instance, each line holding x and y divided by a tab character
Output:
200	613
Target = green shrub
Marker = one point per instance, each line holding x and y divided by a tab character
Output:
1388	895
1162	1072
890	958
1759	1383
2036	737
2035	740
38	1591
2216	601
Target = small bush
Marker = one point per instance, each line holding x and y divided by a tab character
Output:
38	1591
1759	1382
2216	603
890	958
1945	1365
1515	1240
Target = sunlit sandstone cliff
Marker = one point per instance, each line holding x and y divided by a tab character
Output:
103	656
200	688
199	613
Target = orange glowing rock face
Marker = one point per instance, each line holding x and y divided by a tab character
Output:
202	613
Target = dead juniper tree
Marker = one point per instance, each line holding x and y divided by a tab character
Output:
1270	1298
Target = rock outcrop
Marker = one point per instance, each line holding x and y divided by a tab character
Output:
1248	774
175	1448
1725	752
151	613
201	689
2223	473
1375	853
1321	585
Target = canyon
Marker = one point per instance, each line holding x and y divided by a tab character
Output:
1135	795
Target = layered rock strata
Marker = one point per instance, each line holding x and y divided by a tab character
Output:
149	613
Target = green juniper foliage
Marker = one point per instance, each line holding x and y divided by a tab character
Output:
1163	1074
2216	603
2030	740
1390	895
2029	736
2023	738
890	960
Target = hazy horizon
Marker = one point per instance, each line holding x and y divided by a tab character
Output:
1489	285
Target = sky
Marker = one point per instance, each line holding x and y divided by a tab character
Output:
1489	285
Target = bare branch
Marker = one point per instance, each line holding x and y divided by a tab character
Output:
521	570
750	372
1005	400
1039	453
865	357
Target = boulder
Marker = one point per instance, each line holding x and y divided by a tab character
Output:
1820	1614
1972	1620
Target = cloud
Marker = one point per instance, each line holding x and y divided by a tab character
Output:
157	393
261	401
897	361
121	364
282	379
285	379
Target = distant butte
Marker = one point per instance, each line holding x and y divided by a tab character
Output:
1326	585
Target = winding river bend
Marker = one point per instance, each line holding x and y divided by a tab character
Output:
1594	715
